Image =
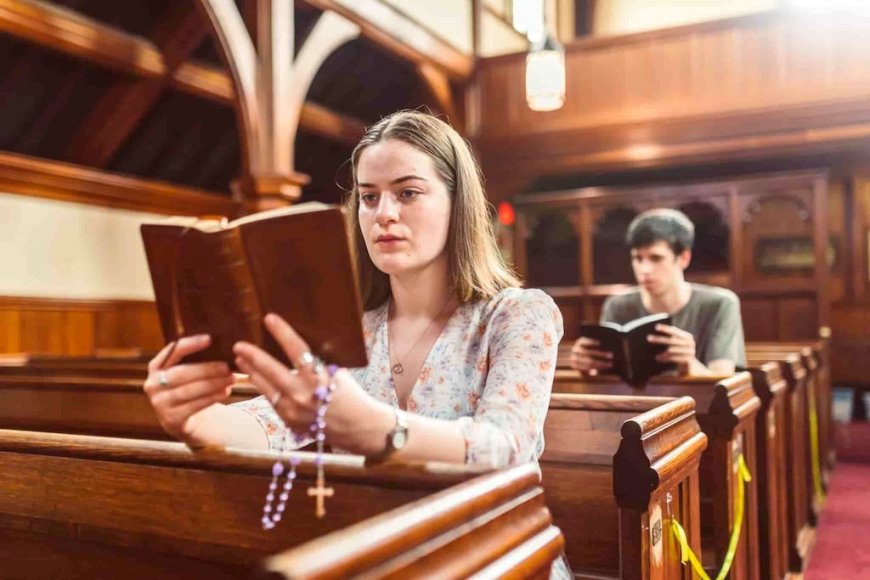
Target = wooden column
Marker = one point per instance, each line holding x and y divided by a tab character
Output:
270	90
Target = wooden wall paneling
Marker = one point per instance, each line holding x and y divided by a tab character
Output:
770	217
586	226
43	331
737	245
572	310
822	269
797	318
10	335
858	235
135	326
839	280
521	235
711	216
760	319
77	327
611	263
767	85
79	338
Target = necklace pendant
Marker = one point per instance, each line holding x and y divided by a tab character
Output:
398	368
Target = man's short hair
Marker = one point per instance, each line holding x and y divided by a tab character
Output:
661	225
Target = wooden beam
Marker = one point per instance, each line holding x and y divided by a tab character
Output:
123	107
270	84
331	32
211	82
438	86
74	35
240	55
24	175
65	31
399	34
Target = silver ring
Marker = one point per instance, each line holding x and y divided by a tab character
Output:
163	380
306	359
276	397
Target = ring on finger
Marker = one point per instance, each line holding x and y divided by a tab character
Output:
163	379
306	359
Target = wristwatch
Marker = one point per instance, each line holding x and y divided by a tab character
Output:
397	439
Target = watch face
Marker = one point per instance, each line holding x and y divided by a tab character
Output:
400	438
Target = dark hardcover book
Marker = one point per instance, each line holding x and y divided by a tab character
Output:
634	357
221	278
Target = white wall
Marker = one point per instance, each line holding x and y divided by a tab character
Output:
54	249
497	37
449	19
625	16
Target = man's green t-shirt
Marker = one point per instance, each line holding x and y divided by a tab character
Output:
712	316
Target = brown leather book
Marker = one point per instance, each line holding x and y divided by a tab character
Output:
221	278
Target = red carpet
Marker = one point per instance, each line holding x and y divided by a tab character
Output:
842	548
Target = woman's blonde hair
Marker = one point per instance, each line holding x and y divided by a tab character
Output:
477	269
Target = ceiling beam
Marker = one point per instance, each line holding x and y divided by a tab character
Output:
72	34
396	32
213	83
68	32
123	107
271	81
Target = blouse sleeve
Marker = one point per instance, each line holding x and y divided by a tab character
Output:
260	409
507	427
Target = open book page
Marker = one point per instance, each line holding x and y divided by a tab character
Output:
294	262
218	223
634	357
302	269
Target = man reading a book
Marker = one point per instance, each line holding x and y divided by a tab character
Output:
706	337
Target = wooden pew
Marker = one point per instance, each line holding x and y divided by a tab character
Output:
816	358
615	470
34	364
726	410
563	358
84	405
801	535
771	470
92	507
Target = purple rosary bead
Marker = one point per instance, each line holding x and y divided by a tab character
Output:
323	394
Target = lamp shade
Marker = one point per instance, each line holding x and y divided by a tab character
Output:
545	76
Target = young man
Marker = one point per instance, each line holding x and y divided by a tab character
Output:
707	335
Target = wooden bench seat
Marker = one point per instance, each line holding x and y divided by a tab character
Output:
615	469
726	411
801	517
80	506
771	470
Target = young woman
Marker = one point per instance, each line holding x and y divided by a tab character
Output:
461	360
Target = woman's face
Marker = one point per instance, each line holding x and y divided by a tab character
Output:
404	209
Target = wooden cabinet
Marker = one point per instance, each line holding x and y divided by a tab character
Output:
763	236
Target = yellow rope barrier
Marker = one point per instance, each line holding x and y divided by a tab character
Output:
814	452
686	553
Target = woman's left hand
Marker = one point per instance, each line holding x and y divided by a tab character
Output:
292	392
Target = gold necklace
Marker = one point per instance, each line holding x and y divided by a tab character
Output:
397	368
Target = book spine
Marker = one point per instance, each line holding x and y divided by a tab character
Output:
626	357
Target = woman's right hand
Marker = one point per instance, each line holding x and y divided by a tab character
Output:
187	389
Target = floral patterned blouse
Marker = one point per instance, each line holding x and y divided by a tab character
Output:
491	371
